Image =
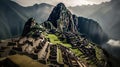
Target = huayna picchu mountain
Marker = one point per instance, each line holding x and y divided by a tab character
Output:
63	20
57	42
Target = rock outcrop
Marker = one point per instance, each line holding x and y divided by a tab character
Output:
31	28
28	25
63	20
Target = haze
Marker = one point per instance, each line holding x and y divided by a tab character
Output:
54	2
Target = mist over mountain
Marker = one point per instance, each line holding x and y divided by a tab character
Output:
105	20
92	29
106	14
13	16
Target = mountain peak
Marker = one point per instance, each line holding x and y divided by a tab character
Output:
62	18
60	4
30	23
60	7
45	4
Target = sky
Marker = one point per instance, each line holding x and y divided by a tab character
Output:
54	2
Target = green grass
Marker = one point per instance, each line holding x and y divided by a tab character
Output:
59	56
54	39
76	52
98	52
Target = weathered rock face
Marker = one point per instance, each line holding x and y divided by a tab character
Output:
27	26
62	18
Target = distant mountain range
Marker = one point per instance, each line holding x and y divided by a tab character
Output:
106	14
12	15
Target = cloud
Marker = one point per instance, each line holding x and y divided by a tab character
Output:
113	47
54	2
115	43
97	1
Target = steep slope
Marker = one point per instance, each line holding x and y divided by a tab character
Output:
8	25
106	14
60	49
63	20
12	15
92	30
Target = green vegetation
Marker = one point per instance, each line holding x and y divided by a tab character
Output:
48	25
36	29
54	39
76	51
59	56
99	53
30	33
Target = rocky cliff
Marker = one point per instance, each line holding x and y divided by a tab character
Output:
62	19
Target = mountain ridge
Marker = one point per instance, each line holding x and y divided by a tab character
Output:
82	12
105	14
64	20
23	13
